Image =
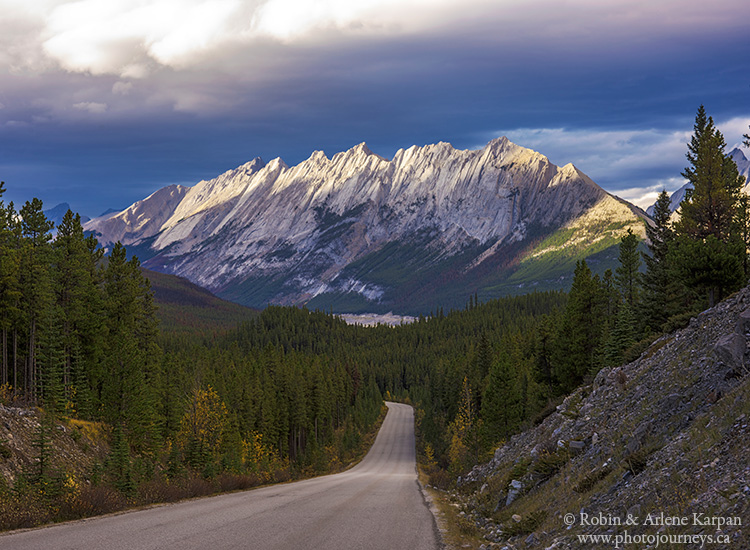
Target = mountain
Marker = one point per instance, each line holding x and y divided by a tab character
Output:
108	212
743	166
358	232
674	199
56	213
186	307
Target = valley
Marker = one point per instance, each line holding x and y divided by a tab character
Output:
122	386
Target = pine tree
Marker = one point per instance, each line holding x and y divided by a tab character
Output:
661	288
127	394
461	431
10	293
622	336
743	230
12	297
710	255
709	207
52	364
78	299
36	284
42	474
624	328
627	275
543	353
120	468
501	402
480	368
580	335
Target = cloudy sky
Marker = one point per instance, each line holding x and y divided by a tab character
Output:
103	102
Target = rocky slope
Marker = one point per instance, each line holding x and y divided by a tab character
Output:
666	434
78	444
358	230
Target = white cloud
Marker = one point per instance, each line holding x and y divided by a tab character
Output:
91	107
646	196
633	164
131	37
122	88
604	151
135	37
733	130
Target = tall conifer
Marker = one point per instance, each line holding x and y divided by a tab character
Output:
710	252
580	335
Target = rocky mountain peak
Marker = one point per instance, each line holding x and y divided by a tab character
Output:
736	155
309	228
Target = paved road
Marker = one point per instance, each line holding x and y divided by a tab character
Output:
375	505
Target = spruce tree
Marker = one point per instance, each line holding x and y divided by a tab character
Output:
627	275
743	230
543	352
661	288
119	465
127	395
42	473
36	285
52	364
624	327
10	292
78	299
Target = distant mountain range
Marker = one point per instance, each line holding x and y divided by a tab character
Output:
358	232
56	213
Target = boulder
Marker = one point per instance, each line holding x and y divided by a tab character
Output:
730	349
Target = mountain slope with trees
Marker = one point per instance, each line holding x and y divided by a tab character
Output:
292	391
666	435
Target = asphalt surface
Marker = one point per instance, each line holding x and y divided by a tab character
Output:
375	505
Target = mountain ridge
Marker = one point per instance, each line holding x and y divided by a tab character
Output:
270	233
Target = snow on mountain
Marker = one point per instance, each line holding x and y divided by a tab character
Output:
674	199
139	221
357	224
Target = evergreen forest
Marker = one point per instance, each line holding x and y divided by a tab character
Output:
294	392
